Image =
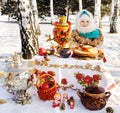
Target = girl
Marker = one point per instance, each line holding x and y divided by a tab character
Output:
85	31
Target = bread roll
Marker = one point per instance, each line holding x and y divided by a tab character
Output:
86	50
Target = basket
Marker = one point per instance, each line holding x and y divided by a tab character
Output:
47	94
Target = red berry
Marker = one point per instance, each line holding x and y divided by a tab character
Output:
42	73
64	81
104	60
42	51
51	73
36	72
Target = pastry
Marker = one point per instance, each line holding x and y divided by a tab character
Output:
87	51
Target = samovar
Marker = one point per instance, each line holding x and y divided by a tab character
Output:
18	80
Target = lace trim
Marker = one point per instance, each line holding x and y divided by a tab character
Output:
67	66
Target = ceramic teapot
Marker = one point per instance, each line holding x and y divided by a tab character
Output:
94	98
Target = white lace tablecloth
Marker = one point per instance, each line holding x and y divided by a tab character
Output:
39	106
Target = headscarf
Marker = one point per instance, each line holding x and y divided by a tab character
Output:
84	14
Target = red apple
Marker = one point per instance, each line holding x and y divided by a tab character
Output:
42	51
45	86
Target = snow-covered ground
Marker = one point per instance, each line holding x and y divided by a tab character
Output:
10	40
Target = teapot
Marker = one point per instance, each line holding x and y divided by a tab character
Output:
94	98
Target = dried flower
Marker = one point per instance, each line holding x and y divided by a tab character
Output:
64	81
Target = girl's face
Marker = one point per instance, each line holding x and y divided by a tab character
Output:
84	23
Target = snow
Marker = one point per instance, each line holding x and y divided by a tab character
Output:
10	42
10	39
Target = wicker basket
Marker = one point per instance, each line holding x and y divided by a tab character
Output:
47	94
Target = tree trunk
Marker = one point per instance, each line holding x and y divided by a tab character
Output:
114	17
97	12
112	7
8	17
51	11
28	29
68	9
80	5
35	21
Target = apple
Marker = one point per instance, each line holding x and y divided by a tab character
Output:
42	51
45	86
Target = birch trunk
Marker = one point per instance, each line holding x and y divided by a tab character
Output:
114	16
51	11
68	9
97	13
35	21
80	5
28	28
112	7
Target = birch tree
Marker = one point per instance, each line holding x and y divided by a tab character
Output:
68	9
51	11
80	5
97	12
28	28
114	16
33	7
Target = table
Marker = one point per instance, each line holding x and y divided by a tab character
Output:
66	67
67	71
